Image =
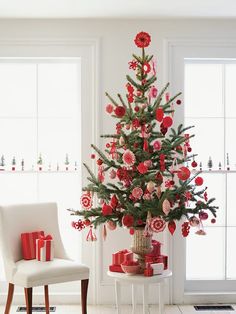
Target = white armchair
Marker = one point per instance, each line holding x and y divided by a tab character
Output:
17	219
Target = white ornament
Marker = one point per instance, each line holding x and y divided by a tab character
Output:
121	141
166	206
150	186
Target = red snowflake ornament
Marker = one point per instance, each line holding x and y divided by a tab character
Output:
142	40
86	201
157	224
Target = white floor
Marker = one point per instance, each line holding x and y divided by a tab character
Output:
173	309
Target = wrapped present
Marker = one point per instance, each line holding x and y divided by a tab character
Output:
156	247
149	258
121	256
157	268
116	268
44	248
28	244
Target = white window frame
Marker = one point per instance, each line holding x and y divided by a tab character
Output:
88	51
175	53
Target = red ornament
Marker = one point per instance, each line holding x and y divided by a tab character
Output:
114	201
106	210
157	224
145	145
159	114
93	156
131	231
137	192
130	88
194	164
159	178
172	226
130	98
86	201
128	220
99	162
129	158
142	168
142	40
87	222
146	67
183	173
133	64
178	102
189	149
199	181
163	129
119	111
136	108
167	122
213	221
157	145
79	225
111	225
109	108
203	215
185	229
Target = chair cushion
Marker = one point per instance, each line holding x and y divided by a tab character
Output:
33	273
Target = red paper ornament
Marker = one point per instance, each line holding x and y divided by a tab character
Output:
114	201
87	222
163	129
86	201
185	229
157	224
119	111
159	114
167	122
142	168
137	192
129	158
131	231
183	173
199	181
194	164
99	162
142	40
109	108
106	210
203	215
172	226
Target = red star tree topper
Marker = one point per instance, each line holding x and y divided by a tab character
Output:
142	178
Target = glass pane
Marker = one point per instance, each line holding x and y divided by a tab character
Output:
215	184
231	212
65	190
230	148
208	140
58	137
203	90
230	95
18	138
58	89
205	259
231	253
18	90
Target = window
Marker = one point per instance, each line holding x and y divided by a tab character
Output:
210	106
40	114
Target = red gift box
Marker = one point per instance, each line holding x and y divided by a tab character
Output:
156	248
116	268
28	243
121	256
44	249
149	258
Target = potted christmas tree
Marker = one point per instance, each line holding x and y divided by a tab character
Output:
142	181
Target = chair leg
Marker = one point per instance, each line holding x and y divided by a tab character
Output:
84	290
46	299
9	298
28	299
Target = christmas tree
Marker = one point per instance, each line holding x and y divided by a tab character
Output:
142	178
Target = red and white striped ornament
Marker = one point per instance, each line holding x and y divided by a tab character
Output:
86	201
157	224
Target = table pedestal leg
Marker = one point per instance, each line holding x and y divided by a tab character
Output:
145	299
134	299
161	301
117	289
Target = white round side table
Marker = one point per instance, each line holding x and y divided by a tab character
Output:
144	282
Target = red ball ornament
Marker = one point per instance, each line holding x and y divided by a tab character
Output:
128	220
107	145
167	122
131	231
163	129
189	149
194	164
93	156
199	181
87	222
183	173
136	108
203	215
119	111
178	102
159	114
213	220
99	162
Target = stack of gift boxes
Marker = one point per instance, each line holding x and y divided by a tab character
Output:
153	260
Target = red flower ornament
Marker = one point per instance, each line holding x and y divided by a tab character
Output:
128	220
142	40
142	168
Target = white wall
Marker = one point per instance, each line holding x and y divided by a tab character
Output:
116	47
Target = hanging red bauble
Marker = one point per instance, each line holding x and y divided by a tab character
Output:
114	201
87	222
157	224
131	231
99	162
111	225
159	114
213	221
136	108
171	227
159	178
109	108
194	221
119	111
163	129
203	215
157	145
178	102
93	156
194	164
167	122
199	181
189	149
142	168
185	229
106	210
183	173
128	220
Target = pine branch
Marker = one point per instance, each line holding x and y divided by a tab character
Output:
159	98
112	100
